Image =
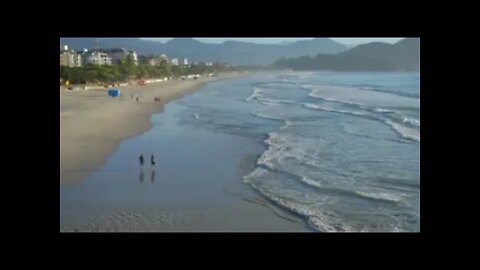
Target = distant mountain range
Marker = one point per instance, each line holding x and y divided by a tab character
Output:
403	55
232	52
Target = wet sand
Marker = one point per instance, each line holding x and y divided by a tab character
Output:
92	124
194	187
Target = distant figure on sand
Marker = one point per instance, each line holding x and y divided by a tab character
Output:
137	99
152	159
141	160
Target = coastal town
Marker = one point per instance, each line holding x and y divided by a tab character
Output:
98	85
100	68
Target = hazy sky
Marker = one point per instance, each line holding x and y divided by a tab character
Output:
346	41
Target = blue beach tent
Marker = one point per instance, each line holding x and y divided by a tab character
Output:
114	92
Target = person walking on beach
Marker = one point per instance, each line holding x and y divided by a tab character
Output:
141	160
137	99
152	160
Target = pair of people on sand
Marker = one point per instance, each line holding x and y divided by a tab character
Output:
142	160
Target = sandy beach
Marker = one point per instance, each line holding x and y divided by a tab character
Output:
196	186
92	124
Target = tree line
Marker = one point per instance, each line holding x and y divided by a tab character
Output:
126	70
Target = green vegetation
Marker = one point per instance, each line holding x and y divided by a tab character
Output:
127	70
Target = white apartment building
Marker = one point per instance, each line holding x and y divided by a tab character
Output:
69	58
98	58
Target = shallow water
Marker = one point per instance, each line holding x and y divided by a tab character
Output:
342	149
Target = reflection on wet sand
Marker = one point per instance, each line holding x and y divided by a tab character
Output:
152	176
141	177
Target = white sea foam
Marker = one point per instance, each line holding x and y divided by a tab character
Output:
411	121
309	206
256	174
258	95
297	202
359	97
318	94
310	182
386	196
278	101
328	224
257	92
331	109
406	132
282	147
382	110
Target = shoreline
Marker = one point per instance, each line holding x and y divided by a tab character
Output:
92	124
168	198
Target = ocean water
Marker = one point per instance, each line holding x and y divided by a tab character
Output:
341	150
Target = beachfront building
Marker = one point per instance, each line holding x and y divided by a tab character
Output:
174	61
97	58
117	54
69	58
155	61
185	62
134	56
